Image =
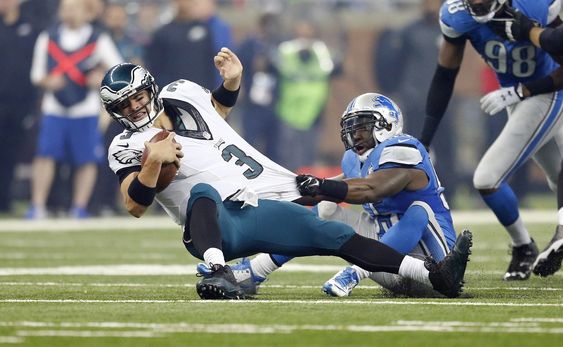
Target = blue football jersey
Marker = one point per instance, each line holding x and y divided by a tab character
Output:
513	62
401	151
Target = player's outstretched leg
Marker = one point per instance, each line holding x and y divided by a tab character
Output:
447	275
549	260
221	284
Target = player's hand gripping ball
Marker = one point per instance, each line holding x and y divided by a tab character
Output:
168	170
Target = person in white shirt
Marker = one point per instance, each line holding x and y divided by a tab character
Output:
69	61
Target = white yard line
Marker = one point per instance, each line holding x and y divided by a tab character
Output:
461	219
160	329
86	333
445	302
11	339
277	286
170	270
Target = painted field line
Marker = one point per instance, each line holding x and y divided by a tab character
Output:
11	339
159	329
461	219
171	270
276	286
86	333
446	302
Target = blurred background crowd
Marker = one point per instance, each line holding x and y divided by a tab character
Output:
303	59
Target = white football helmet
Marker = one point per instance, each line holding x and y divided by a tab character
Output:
371	110
123	81
483	10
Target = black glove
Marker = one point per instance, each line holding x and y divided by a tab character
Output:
514	27
308	185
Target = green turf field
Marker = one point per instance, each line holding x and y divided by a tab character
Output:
136	287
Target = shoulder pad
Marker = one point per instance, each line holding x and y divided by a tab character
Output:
400	154
553	11
455	20
184	89
542	11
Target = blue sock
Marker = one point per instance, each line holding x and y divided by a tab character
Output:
404	235
279	260
504	204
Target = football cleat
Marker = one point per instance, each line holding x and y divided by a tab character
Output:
79	213
342	283
549	260
221	285
520	266
35	213
243	273
447	275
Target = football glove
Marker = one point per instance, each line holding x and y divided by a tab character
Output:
308	185
516	27
498	100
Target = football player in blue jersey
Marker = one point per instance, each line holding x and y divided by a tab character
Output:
530	80
521	28
390	174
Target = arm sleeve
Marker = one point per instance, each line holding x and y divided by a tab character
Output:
551	40
439	95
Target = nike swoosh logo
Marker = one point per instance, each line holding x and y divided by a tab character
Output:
401	141
124	146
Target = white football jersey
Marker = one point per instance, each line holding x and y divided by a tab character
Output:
213	153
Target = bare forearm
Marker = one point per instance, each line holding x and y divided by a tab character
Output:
362	191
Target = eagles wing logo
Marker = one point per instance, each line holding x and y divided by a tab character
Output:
128	156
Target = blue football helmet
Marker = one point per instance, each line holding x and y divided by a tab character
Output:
123	81
374	112
483	10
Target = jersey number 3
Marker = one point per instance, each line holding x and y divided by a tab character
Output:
254	168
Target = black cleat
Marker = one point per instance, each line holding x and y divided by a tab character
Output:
520	266
549	260
221	285
447	276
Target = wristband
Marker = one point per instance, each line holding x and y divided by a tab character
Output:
140	193
541	86
224	96
334	189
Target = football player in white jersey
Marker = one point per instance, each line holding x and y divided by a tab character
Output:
231	200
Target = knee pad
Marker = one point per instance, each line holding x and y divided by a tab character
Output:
483	179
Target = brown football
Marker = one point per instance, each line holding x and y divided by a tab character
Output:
167	171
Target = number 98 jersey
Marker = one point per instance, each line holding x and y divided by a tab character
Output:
513	62
213	153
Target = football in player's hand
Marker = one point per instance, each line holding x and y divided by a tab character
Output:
167	171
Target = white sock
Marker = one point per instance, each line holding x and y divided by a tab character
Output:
262	265
361	272
414	269
214	256
560	216
518	233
